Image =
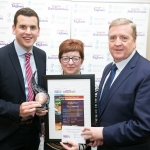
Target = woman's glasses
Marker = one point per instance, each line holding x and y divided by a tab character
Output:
66	59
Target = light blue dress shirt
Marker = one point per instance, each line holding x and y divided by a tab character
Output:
21	55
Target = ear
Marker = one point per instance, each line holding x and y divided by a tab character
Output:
134	43
13	29
134	40
39	32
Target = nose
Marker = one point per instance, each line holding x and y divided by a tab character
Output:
70	61
117	42
28	30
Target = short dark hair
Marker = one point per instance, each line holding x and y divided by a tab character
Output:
26	12
71	45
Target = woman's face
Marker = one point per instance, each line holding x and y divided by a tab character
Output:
72	65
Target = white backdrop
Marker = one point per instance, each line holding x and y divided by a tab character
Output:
87	21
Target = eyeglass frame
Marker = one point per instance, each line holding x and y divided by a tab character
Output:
71	58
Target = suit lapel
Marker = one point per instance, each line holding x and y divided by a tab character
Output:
102	82
103	78
16	64
125	73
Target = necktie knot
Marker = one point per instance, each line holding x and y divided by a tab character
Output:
27	55
114	67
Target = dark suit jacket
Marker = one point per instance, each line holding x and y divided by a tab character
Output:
125	114
12	88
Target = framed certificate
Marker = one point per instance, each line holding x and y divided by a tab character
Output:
72	103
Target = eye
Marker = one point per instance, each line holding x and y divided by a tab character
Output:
124	38
112	38
23	27
65	58
33	27
75	58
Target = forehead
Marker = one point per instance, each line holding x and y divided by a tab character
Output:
27	20
72	53
121	29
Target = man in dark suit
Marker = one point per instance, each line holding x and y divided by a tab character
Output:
124	112
19	121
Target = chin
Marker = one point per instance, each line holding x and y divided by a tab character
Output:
69	73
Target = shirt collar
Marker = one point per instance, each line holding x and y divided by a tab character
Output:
20	51
120	65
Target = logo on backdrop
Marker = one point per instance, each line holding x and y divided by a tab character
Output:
52	57
97	44
62	32
95	68
43	19
9	18
116	9
100	33
52	65
3	43
98	9
3	5
17	5
140	34
88	45
79	20
137	10
82	68
82	8
58	7
55	19
97	56
41	43
1	17
66	136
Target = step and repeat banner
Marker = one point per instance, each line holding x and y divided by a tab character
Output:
86	21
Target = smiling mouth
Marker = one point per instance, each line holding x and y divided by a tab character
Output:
70	67
118	50
27	38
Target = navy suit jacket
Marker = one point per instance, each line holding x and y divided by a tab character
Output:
12	88
125	114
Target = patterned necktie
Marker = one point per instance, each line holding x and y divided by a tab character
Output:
29	76
107	85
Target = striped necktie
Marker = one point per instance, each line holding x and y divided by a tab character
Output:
28	77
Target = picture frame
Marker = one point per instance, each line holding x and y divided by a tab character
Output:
72	102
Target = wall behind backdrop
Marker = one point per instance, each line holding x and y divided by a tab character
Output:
86	20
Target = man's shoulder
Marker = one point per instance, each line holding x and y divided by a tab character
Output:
6	48
108	65
143	61
38	50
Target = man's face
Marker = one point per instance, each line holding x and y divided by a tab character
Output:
26	31
121	42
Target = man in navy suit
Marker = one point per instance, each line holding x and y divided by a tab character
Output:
19	121
124	115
